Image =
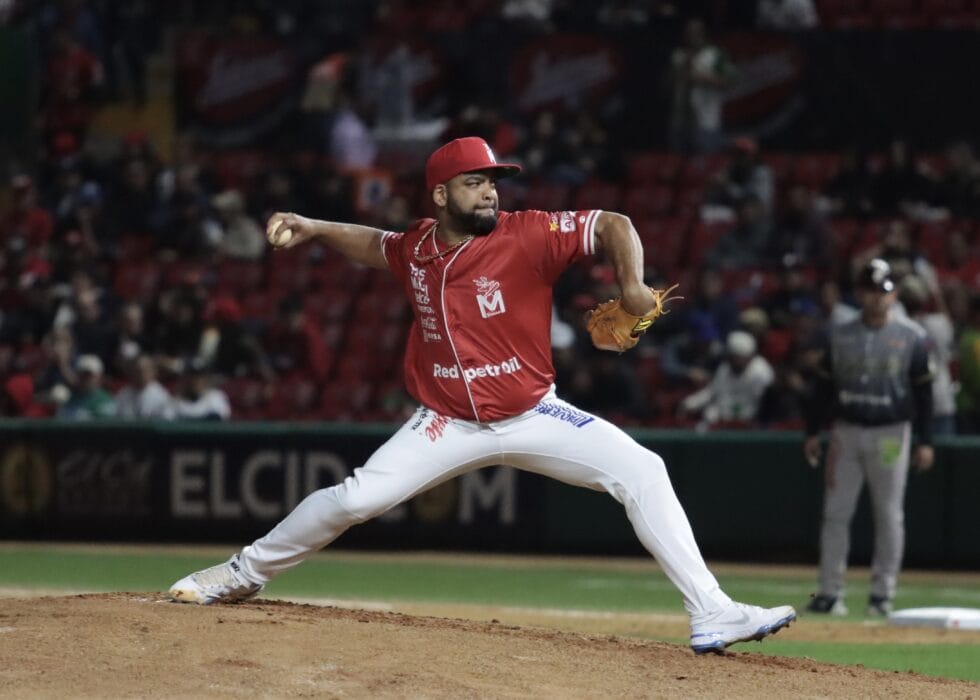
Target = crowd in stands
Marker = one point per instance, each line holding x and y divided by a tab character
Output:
139	285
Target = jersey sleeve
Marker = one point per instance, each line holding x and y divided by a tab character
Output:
391	249
555	240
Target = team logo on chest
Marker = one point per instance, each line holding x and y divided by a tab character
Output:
489	297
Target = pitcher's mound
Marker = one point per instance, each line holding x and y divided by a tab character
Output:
137	644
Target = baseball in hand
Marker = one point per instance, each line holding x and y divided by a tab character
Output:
283	237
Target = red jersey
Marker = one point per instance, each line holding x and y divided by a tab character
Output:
480	346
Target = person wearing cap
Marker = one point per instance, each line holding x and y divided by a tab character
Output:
737	386
89	399
479	364
874	383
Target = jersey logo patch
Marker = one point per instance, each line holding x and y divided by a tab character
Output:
489	297
567	222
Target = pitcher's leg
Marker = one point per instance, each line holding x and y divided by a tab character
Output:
412	461
600	456
887	477
844	478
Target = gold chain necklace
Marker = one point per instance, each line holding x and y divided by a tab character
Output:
438	254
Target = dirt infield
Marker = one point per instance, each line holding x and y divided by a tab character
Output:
135	644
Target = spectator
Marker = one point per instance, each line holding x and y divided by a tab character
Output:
832	308
851	192
608	387
959	188
689	358
92	331
143	397
709	298
17	399
700	74
30	223
792	297
746	176
352	146
745	245
296	345
227	347
735	390
130	339
968	355
133	207
241	238
901	186
73	76
916	296
197	398
786	15
89	400
801	231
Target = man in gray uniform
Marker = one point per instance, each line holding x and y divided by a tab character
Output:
874	381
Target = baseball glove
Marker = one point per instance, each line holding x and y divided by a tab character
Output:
613	328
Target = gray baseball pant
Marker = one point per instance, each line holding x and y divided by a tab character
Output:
880	456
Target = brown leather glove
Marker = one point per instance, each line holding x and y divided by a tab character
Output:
613	328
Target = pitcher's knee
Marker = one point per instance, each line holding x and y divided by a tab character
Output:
360	503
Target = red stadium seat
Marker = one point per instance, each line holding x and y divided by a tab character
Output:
815	169
547	196
663	240
647	201
138	280
702	239
598	194
247	396
698	170
135	247
649	168
292	399
239	277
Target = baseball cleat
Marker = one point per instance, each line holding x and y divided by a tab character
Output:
737	623
826	605
223	583
878	606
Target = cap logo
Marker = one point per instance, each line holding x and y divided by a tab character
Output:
490	153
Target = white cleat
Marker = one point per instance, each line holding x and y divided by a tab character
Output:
223	583
737	623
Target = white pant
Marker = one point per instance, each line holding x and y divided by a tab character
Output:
554	438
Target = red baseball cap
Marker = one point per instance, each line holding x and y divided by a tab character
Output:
463	156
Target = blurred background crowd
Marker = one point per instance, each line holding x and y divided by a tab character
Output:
759	163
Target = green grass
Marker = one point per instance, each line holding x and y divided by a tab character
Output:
552	584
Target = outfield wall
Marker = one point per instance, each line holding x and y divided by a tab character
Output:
749	495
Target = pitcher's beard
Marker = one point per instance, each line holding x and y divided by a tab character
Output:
471	222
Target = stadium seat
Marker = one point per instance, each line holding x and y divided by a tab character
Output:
648	168
703	237
547	196
137	280
815	169
247	396
781	165
663	240
294	398
135	247
239	277
648	201
598	194
698	170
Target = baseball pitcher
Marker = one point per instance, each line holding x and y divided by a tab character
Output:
478	361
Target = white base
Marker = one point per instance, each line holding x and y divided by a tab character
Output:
945	618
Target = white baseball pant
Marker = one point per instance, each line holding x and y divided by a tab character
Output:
554	438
